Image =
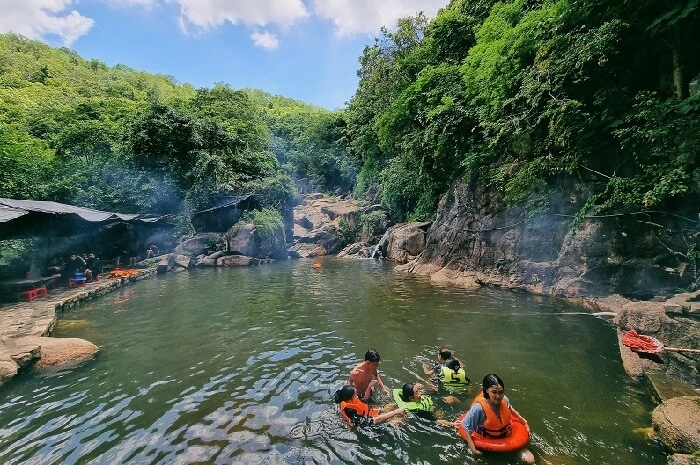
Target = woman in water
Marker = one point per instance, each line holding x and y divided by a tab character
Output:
357	413
490	415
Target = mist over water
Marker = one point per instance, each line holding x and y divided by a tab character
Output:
240	365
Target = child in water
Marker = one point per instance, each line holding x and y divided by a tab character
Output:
357	413
412	397
444	355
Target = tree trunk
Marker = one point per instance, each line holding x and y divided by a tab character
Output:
680	79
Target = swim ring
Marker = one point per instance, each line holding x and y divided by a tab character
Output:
514	441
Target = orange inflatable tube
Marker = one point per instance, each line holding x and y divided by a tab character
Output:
515	440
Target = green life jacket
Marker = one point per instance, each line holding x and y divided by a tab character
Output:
450	377
426	402
455	383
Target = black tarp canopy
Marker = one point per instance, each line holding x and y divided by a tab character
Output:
221	217
41	218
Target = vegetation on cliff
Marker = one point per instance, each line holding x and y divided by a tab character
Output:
518	93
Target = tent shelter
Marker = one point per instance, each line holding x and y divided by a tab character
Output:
221	217
39	218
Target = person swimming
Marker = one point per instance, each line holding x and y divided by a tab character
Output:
357	413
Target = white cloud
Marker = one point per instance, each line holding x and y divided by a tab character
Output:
367	16
147	4
265	40
36	19
210	13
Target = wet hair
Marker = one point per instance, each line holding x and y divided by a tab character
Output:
453	364
491	380
372	356
444	353
407	392
344	394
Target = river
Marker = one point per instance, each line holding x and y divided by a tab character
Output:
239	365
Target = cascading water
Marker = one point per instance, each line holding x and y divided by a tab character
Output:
381	242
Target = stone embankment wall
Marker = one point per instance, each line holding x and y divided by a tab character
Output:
25	327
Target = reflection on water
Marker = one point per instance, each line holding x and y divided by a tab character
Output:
239	366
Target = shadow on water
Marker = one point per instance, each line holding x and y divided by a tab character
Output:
239	366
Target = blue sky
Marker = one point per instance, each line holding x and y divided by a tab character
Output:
303	49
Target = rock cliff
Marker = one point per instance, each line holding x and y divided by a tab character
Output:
476	241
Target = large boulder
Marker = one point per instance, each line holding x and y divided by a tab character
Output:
57	351
205	243
246	239
405	242
240	239
166	263
676	422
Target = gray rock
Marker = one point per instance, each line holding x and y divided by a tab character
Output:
405	242
166	264
206	261
676	422
201	244
8	370
182	261
241	239
237	260
304	222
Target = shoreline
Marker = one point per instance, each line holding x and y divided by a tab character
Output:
25	327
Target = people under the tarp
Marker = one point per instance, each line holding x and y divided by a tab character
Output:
76	268
94	264
152	251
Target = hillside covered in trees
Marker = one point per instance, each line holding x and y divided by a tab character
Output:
117	139
519	93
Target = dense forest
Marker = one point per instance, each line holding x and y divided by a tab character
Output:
519	93
117	139
515	94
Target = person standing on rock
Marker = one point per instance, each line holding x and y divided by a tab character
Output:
365	372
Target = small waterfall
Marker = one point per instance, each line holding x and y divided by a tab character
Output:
381	242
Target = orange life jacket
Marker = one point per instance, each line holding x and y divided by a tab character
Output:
494	427
359	407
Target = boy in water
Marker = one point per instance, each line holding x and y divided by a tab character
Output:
364	373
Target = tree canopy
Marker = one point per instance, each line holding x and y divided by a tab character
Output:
518	93
113	138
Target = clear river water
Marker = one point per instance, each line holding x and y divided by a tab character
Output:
239	365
